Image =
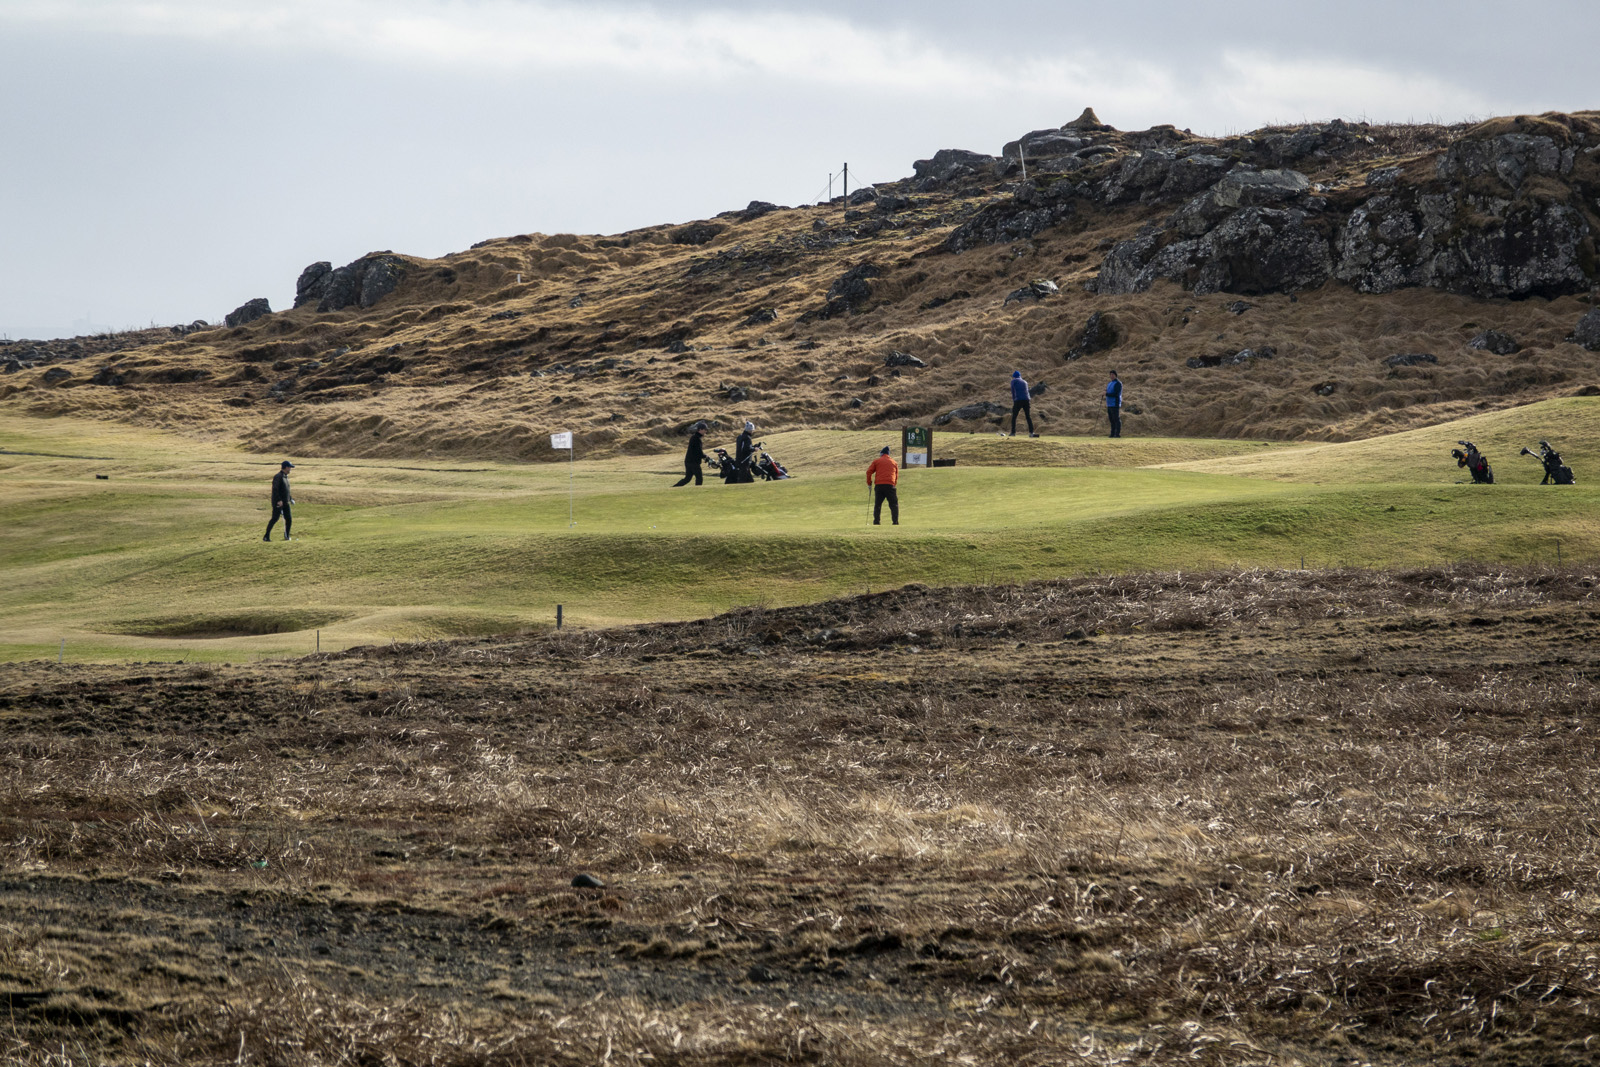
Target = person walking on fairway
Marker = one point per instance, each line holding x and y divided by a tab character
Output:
744	454
883	474
1021	400
1114	404
280	502
694	457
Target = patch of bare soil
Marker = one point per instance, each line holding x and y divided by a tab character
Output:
1229	818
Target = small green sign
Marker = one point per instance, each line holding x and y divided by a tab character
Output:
917	437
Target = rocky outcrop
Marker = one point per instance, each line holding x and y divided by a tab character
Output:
981	410
248	312
1501	217
1587	332
1252	232
313	282
1482	246
361	283
848	294
1034	291
1100	334
948	165
1510	209
1496	341
696	233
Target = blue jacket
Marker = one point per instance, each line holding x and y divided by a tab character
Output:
1019	390
1113	394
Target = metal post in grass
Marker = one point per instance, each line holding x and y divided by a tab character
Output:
558	616
559	441
1558	552
61	653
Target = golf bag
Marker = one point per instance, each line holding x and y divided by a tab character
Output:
1555	471
729	470
1474	461
769	468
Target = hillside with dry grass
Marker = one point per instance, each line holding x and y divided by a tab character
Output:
790	316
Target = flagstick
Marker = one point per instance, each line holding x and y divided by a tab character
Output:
571	522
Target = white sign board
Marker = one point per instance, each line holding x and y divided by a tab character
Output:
916	459
561	440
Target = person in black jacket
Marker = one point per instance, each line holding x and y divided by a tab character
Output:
694	457
280	502
744	454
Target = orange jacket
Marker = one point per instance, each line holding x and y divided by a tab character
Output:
883	471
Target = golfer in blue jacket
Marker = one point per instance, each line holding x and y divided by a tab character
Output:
1021	401
1114	404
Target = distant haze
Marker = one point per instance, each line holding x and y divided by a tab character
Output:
166	162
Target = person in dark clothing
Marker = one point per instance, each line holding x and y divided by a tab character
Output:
280	502
744	454
694	457
1021	400
1114	404
882	475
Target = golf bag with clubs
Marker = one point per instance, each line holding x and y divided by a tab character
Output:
767	467
1475	462
1555	471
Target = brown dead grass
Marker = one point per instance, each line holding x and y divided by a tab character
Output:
1141	819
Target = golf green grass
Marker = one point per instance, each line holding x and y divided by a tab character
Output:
163	559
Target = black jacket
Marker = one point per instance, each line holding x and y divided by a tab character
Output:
280	489
697	451
744	448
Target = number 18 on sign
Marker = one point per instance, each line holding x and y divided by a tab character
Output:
559	441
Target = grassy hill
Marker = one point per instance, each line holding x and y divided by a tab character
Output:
626	339
164	557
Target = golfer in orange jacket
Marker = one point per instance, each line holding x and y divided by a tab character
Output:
883	474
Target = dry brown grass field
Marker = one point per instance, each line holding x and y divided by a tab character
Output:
625	339
1236	818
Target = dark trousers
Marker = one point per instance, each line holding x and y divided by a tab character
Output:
1115	415
880	494
1026	407
690	470
288	520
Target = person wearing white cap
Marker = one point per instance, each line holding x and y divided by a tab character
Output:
280	502
744	454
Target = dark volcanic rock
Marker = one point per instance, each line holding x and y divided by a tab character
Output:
903	359
361	283
1035	290
849	292
980	410
1244	355
760	316
696	233
313	283
1501	344
1587	333
249	311
56	375
949	164
1099	335
1411	359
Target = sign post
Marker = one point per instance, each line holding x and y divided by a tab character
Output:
559	441
916	446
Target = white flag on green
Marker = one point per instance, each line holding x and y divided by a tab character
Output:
561	440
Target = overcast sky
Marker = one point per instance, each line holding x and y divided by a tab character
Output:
167	160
